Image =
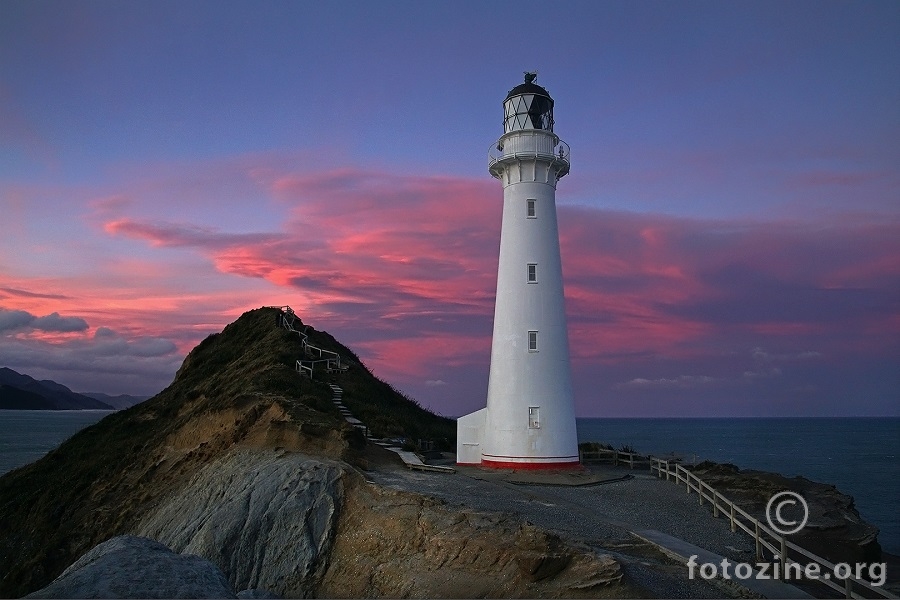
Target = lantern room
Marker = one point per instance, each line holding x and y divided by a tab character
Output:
528	106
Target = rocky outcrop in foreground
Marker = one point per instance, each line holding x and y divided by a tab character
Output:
266	518
397	544
134	567
299	526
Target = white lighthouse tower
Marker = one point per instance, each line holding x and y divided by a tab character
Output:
529	421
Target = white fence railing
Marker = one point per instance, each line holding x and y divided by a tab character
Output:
616	457
794	559
331	360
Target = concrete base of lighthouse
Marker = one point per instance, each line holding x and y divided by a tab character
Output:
469	440
469	435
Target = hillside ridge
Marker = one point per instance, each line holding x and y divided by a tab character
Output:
235	389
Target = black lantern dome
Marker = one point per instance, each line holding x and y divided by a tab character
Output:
528	106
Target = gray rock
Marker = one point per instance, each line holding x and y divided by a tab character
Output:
266	518
258	595
135	567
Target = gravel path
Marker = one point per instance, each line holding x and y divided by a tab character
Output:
600	516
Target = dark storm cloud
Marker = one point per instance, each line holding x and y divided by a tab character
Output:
20	319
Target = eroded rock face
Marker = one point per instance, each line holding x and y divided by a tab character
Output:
400	545
266	518
135	567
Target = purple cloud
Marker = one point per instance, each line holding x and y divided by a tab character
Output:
20	319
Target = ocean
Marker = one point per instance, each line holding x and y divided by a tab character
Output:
861	456
858	455
27	435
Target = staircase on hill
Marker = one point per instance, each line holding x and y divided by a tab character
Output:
315	355
287	318
345	412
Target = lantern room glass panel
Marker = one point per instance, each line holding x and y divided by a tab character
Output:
528	111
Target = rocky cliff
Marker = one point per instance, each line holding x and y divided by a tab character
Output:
395	544
266	518
242	462
133	567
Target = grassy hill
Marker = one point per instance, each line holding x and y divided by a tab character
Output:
237	387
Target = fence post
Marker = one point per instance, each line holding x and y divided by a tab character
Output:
783	557
848	588
687	480
700	490
759	555
733	528
631	461
715	501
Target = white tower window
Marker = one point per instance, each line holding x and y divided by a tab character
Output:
534	417
532	341
532	273
530	209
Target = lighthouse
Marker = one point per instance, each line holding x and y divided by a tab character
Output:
529	420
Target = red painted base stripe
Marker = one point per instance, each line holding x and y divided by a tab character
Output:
564	458
530	466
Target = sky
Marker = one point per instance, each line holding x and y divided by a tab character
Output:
730	228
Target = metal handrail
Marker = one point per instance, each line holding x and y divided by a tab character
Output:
301	365
720	503
604	454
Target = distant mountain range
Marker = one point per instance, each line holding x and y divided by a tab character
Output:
21	392
117	402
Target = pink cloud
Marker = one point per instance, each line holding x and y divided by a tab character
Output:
380	256
174	235
403	269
